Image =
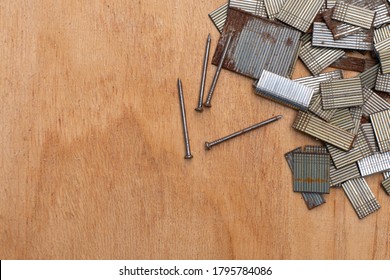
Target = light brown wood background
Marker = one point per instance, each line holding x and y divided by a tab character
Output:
91	158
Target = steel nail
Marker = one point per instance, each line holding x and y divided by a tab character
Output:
204	72
183	117
209	145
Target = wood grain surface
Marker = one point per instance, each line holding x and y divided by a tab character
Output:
91	164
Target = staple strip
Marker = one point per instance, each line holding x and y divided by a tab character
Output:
381	124
255	7
322	37
300	13
341	175
284	90
331	3
353	15
342	93
316	149
386	175
218	16
373	103
360	150
384	57
338	28
311	172
381	34
361	197
317	59
356	114
273	7
374	164
324	131
381	15
315	81
368	77
369	134
342	118
258	44
382	45
312	200
316	108
386	185
383	82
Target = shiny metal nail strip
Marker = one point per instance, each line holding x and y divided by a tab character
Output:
368	77
300	13
312	200
343	174
360	150
342	93
284	91
342	118
311	172
381	34
324	131
383	82
218	16
322	37
369	134
376	163
381	124
255	7
361	197
356	114
273	7
373	103
354	15
317	59
381	14
258	44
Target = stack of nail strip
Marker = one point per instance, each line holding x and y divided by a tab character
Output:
263	39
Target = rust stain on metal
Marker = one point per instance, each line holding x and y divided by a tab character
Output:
257	44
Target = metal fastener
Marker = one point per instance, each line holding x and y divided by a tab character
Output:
204	72
183	117
209	145
216	76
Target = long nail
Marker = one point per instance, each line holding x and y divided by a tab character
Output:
204	72
184	119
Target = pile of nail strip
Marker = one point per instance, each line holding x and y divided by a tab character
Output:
263	39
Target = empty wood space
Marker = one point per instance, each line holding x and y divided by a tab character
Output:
92	152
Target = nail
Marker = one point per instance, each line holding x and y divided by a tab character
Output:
204	72
209	145
183	117
216	76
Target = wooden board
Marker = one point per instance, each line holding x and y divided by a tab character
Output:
92	149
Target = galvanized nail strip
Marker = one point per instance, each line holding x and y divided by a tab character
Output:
381	14
342	93
360	150
356	114
218	16
324	131
322	37
361	197
383	82
300	13
381	34
353	15
381	124
369	134
316	58
311	172
273	7
255	7
374	164
342	118
312	200
373	103
368	77
284	90
258	44
343	174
